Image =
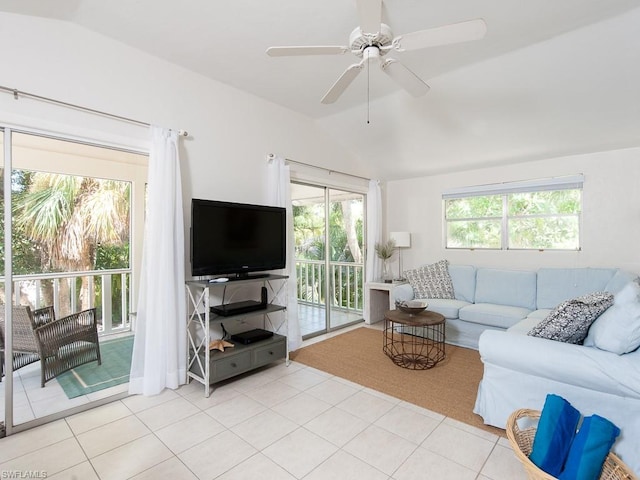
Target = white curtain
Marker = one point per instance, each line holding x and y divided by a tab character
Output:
159	348
374	230
279	189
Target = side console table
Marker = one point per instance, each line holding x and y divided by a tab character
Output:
377	300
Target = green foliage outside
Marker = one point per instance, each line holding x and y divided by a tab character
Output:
487	206
554	202
309	228
26	255
544	233
345	245
112	257
536	220
474	234
64	223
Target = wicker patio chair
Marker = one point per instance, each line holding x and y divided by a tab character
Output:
60	344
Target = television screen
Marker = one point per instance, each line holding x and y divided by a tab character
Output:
236	238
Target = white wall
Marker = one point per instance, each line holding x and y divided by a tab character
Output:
231	132
611	212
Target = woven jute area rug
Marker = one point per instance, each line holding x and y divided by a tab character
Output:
449	388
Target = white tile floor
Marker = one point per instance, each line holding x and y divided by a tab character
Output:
30	401
277	423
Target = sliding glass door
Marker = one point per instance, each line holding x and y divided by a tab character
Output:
77	222
329	234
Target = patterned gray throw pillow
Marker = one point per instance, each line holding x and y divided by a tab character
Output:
431	281
570	321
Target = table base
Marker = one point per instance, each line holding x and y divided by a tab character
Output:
414	347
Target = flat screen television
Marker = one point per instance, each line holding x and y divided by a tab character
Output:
236	238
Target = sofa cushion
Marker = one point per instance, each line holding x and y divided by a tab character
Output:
617	330
555	285
620	280
570	321
450	308
431	281
516	288
502	316
463	278
524	326
534	318
540	314
402	292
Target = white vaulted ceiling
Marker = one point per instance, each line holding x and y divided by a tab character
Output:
550	78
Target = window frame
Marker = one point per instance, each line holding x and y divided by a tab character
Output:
131	166
572	182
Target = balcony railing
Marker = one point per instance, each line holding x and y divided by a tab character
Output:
107	290
346	289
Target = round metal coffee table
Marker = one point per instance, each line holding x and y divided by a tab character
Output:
414	341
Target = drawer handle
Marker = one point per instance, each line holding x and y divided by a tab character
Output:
270	353
233	365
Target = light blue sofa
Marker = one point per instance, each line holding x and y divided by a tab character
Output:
493	311
499	299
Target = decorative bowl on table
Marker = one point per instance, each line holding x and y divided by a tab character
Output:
411	307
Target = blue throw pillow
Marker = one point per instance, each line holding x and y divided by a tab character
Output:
590	449
554	434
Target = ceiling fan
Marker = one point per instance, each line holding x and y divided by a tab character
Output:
372	40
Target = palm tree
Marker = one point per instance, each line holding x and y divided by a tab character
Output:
69	216
350	228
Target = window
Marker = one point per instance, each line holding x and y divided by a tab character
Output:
538	215
77	226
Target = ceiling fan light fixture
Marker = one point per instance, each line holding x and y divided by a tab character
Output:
371	54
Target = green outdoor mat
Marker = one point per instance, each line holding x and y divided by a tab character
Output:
91	377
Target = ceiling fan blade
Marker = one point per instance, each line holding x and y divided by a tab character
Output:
306	50
447	34
370	15
342	83
404	77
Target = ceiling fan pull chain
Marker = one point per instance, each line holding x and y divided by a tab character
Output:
368	89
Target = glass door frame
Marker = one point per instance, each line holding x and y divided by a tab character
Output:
7	132
328	280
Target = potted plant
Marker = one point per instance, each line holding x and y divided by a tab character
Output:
385	251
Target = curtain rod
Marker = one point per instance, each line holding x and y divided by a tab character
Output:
271	156
17	93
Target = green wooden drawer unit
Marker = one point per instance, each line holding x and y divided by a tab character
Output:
265	354
242	358
230	366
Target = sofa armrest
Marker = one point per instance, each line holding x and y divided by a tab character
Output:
586	367
402	292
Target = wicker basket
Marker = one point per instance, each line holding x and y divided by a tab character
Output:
522	442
